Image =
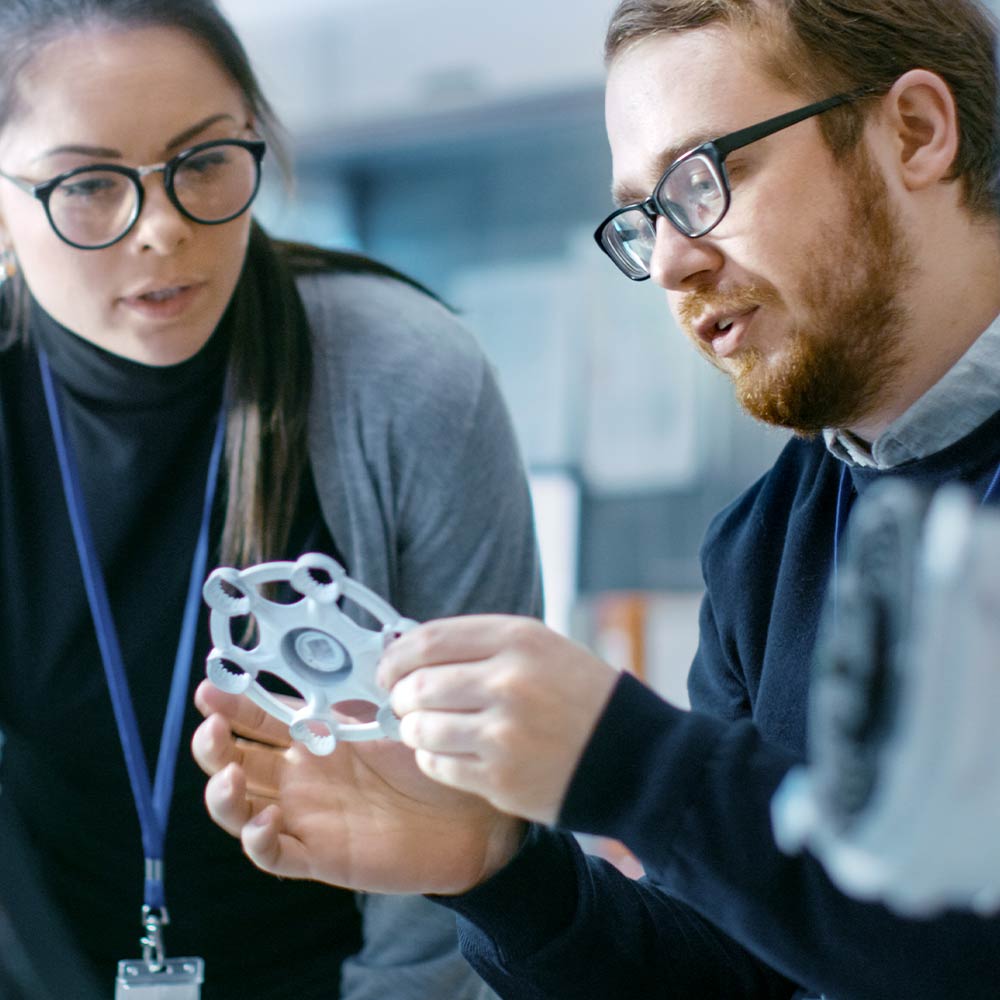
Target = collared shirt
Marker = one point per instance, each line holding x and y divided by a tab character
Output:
954	406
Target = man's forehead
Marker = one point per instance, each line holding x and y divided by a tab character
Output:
671	92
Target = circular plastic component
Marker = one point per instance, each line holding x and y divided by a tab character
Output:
310	644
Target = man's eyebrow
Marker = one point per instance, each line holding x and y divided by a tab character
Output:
623	194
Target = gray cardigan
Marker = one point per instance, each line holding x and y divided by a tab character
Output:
423	490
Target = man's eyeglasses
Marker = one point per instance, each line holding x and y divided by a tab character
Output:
94	206
693	194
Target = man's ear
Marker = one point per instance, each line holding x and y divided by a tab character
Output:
922	118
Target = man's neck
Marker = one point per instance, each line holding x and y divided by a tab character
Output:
951	303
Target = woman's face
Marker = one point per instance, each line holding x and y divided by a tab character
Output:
134	97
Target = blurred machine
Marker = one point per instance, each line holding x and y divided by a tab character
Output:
900	801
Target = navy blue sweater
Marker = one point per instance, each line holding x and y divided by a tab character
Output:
722	913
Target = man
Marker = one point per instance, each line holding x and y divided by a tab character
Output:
841	265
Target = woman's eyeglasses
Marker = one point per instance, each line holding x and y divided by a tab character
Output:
94	206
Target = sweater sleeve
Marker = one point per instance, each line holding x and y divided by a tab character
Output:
556	923
692	798
722	912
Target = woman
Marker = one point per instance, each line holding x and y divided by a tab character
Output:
143	310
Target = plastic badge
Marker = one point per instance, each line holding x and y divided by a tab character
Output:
177	979
309	644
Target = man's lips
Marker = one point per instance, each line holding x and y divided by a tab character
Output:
722	332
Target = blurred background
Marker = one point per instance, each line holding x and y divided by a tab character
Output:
468	150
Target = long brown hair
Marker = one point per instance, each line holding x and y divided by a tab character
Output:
269	384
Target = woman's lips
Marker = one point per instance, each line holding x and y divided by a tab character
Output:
163	303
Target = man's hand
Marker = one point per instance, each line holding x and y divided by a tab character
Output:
496	705
364	817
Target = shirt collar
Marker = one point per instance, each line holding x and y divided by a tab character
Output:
953	407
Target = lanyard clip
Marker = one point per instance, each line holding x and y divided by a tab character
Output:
154	919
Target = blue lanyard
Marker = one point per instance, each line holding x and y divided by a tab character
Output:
152	803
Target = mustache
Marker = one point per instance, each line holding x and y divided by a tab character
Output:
731	300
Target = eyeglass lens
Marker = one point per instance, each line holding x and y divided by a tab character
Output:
692	194
693	197
95	207
630	236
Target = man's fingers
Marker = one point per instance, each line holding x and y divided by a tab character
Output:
461	771
442	732
449	640
245	718
457	688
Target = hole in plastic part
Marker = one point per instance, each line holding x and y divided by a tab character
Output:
319	575
279	687
355	710
316	734
227	675
223	595
244	631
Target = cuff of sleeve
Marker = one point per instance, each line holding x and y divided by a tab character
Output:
643	754
546	857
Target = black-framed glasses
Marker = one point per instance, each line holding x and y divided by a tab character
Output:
693	194
94	206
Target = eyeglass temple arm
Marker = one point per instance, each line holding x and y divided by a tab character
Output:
24	185
745	136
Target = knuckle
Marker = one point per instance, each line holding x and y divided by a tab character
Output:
422	684
506	686
427	639
520	632
498	735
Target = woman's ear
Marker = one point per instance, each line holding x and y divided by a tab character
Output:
922	119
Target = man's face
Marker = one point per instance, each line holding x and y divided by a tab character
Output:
797	294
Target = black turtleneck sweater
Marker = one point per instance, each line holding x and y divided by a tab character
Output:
142	437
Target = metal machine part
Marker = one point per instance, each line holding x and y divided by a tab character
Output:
310	644
901	799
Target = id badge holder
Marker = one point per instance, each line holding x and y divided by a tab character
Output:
154	976
177	979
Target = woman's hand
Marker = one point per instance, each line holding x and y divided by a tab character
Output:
364	817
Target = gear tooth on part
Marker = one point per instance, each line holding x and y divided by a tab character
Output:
223	677
304	580
224	601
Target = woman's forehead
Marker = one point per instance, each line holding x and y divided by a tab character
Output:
106	86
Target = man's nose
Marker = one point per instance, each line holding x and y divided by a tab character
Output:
680	262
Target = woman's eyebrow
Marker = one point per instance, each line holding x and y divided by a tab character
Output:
106	153
99	151
188	134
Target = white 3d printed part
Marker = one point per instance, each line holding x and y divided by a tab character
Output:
310	644
924	834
